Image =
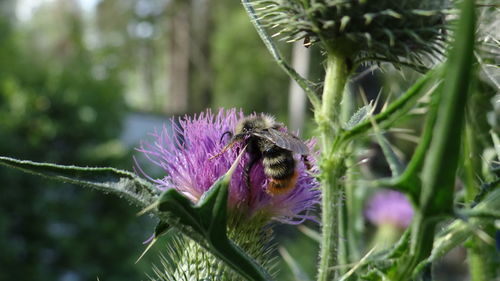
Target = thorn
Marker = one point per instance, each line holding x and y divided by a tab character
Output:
392	13
147	249
234	165
343	22
368	18
368	39
358	264
386	103
147	209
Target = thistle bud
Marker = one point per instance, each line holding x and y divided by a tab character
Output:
361	30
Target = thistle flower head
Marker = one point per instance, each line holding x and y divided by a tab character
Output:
389	207
363	30
185	152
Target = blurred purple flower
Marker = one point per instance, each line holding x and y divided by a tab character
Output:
184	156
389	207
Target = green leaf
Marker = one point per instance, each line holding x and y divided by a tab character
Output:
439	170
359	116
410	181
397	108
392	159
109	180
206	223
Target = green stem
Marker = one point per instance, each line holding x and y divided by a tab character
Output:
354	217
332	162
331	199
328	118
479	254
422	235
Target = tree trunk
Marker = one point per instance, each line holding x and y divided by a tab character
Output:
180	41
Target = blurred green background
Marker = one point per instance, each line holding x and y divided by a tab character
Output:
83	81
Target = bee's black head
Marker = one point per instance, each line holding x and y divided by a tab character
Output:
254	123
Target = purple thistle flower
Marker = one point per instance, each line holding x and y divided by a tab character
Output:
184	154
389	207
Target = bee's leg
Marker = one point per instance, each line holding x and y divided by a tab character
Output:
248	168
246	178
234	139
307	163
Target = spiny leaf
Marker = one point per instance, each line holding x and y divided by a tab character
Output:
392	159
441	162
109	180
397	108
410	180
359	116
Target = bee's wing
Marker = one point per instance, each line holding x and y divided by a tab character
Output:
284	140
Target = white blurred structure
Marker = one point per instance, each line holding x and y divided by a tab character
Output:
297	102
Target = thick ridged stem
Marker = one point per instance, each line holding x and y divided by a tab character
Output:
332	164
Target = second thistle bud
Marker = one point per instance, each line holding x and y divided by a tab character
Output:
363	30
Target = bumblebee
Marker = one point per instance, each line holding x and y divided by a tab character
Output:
266	142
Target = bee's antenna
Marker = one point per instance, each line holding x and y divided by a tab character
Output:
226	133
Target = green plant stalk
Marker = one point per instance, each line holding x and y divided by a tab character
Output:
332	171
479	253
354	213
329	115
343	235
348	246
332	164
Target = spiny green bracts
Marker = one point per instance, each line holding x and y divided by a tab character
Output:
185	260
402	32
